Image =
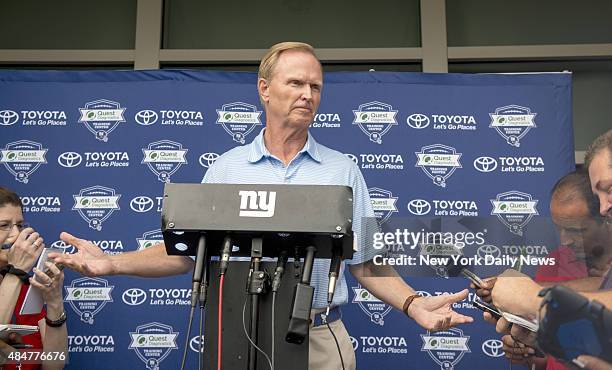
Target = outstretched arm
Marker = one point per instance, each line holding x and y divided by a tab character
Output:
90	260
432	313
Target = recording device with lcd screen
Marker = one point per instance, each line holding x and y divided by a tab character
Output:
574	326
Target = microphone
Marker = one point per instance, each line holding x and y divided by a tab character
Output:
334	272
198	270
280	269
225	255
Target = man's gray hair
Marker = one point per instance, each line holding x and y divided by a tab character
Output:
603	141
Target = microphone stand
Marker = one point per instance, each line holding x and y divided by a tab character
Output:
255	287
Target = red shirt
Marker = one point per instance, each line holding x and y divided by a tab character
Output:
566	267
34	339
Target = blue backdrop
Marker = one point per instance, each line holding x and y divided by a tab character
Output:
89	153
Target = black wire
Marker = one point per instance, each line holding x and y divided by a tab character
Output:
187	337
201	347
337	345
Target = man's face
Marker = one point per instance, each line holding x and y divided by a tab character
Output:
600	173
9	216
579	230
293	93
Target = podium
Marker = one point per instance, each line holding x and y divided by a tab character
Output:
288	222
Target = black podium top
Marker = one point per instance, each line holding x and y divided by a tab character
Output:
283	215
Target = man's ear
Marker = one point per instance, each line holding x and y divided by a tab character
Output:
264	89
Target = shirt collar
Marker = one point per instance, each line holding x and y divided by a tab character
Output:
259	150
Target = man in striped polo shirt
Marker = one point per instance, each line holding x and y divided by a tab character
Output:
290	82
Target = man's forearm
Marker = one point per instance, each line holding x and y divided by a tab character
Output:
150	262
383	282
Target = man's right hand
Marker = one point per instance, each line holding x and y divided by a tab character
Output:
89	260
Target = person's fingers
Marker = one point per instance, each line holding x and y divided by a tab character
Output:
32	237
489	318
42	277
71	239
24	234
503	326
457	318
455	297
53	268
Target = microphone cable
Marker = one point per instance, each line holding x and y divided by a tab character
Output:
223	265
219	321
273	329
249	338
334	336
191	313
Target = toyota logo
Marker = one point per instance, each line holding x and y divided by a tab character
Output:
423	293
488	250
8	117
352	157
485	164
207	159
134	296
355	343
195	342
60	244
69	159
141	204
417	121
145	117
493	348
419	207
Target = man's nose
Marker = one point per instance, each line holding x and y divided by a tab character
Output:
307	92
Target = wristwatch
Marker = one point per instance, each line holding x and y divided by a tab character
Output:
56	323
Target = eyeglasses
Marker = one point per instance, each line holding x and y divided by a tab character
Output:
7	226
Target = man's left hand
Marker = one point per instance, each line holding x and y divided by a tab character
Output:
436	313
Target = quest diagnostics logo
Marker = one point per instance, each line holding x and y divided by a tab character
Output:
383	203
512	122
514	209
88	296
375	119
153	342
370	305
238	119
438	162
96	204
164	158
446	348
22	158
149	239
101	117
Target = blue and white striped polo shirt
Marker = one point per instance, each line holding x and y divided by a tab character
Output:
315	164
